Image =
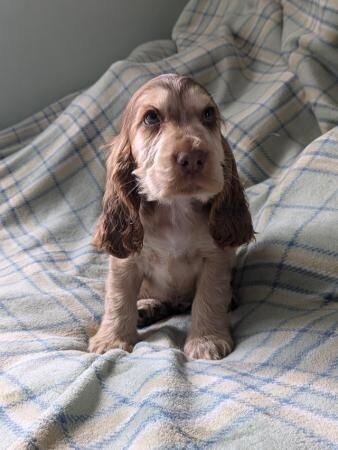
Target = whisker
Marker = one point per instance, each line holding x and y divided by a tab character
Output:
128	182
133	189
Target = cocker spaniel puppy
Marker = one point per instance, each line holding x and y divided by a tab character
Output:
174	212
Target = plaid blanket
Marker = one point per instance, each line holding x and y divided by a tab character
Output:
272	66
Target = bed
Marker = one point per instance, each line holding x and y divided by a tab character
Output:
272	67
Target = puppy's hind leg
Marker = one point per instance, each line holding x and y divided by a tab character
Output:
151	310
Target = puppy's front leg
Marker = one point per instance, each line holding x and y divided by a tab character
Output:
209	337
118	326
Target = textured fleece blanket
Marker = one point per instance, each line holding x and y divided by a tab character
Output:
272	66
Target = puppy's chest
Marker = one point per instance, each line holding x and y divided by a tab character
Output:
172	260
171	272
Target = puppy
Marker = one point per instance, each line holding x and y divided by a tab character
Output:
174	212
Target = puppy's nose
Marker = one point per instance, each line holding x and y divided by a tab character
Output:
192	162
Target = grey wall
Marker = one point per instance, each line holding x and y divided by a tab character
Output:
49	48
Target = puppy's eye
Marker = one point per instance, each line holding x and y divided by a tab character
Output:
151	118
209	115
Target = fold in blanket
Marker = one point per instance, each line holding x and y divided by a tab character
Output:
272	66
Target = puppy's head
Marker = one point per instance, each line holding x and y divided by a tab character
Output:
170	146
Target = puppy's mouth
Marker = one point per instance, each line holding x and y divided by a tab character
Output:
170	184
193	186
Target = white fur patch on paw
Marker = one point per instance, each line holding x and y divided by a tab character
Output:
99	344
208	347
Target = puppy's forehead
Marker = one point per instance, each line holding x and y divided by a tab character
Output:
156	96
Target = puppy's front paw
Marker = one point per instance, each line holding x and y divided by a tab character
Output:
102	343
208	347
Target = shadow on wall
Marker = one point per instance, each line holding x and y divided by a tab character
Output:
49	49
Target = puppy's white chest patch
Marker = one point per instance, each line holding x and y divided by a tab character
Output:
177	244
172	273
172	260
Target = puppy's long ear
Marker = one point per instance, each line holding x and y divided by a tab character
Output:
230	220
119	230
